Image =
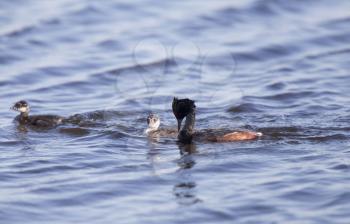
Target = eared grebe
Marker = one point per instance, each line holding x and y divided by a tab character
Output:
35	120
182	107
186	108
153	129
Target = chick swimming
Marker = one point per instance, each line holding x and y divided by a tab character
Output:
34	120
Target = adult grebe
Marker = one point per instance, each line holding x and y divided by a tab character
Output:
153	129
34	120
187	108
181	107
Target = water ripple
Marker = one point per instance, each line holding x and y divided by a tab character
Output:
273	66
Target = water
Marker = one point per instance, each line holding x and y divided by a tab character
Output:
279	67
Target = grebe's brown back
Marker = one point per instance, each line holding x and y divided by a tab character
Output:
186	108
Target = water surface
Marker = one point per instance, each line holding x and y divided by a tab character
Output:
274	66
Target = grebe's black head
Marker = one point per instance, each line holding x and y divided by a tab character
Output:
21	106
181	108
153	122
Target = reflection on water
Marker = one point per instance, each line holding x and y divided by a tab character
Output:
185	190
185	193
187	149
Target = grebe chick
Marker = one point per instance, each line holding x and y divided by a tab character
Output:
187	109
153	129
35	120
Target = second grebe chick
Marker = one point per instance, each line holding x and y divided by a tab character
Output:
153	129
153	122
35	120
187	133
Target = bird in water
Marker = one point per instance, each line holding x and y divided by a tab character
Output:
181	108
186	108
153	129
34	120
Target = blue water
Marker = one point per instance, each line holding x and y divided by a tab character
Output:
279	67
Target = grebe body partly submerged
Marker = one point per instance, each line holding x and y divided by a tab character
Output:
153	129
35	120
186	108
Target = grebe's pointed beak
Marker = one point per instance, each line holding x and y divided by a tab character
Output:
179	121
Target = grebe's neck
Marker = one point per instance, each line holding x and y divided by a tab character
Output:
189	122
149	130
185	135
24	114
23	117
